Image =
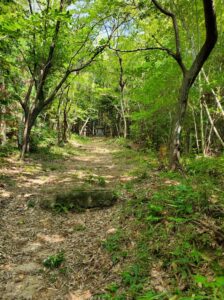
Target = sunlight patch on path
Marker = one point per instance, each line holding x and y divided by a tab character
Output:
56	238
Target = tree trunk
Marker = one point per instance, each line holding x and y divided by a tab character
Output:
213	124
189	77
176	135
59	123
207	148
84	126
216	96
122	84
29	121
65	126
117	129
3	137
123	114
196	130
202	129
59	130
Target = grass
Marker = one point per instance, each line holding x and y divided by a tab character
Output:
95	180
54	261
170	242
7	180
79	227
114	245
31	203
8	150
80	138
176	226
54	152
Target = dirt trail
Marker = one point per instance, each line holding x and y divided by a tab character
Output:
29	234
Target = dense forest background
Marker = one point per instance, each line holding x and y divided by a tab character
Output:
97	68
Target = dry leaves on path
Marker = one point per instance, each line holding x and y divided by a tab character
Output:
79	295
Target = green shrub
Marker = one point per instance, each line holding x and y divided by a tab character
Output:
54	261
212	167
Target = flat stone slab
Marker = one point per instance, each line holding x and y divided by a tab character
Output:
83	199
87	198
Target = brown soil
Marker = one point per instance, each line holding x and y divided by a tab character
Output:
31	234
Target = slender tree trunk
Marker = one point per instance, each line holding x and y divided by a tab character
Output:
216	96
65	126
59	123
28	124
122	84
180	116
201	116
213	124
3	138
20	133
207	147
29	121
202	129
196	130
84	126
123	114
66	111
117	129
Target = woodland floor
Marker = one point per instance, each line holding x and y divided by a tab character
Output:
163	239
29	234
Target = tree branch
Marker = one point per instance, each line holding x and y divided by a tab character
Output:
30	7
142	49
177	56
175	25
77	69
83	43
47	66
210	41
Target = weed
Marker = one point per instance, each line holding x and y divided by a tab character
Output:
7	180
53	278
54	261
109	296
113	287
131	276
151	295
129	185
101	181
8	150
164	222
121	141
89	180
64	271
213	287
79	227
62	208
31	203
80	138
113	244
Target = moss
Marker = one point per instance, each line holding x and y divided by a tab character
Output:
77	200
86	198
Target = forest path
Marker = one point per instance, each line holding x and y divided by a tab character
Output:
30	234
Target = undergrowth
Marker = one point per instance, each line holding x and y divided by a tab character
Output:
176	227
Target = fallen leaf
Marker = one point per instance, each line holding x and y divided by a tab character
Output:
111	231
50	238
79	295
